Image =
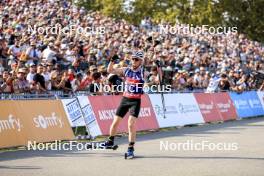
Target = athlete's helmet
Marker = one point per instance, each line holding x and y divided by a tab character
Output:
139	55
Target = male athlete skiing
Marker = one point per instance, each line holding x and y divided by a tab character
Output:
134	80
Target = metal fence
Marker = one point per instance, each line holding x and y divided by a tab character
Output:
63	95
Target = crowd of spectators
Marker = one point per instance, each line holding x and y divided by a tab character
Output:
40	62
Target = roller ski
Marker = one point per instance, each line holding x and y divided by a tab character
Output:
102	145
130	153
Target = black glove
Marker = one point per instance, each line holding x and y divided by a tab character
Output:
158	63
114	58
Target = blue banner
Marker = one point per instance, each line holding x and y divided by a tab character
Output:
247	104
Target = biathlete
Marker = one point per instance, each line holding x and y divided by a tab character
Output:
131	100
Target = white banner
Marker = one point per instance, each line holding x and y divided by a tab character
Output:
261	97
181	109
89	117
73	112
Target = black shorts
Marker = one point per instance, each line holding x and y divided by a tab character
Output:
126	104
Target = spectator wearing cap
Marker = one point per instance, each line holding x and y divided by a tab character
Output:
20	84
31	74
197	80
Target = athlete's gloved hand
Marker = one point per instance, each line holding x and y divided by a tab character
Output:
114	58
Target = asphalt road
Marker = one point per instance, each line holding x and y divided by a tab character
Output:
244	157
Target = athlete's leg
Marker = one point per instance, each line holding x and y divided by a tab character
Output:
132	130
114	125
120	113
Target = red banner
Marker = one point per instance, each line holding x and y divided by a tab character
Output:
208	107
225	106
104	108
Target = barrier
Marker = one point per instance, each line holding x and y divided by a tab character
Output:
261	98
247	104
73	112
225	106
46	120
32	120
208	107
181	109
89	116
105	108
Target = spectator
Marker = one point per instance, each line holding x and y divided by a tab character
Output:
20	84
95	87
39	81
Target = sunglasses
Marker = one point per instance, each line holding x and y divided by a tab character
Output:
135	59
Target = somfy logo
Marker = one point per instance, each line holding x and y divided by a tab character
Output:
45	122
10	123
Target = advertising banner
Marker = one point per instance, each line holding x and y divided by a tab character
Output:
73	111
104	108
89	116
181	109
261	97
225	106
32	120
208	107
247	104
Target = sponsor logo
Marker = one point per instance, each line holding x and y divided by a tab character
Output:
241	104
224	106
254	103
187	108
169	110
10	123
109	114
46	122
206	108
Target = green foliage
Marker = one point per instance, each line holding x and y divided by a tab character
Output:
246	15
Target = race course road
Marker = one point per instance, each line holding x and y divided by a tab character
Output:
245	157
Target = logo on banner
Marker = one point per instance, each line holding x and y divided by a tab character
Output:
187	108
109	114
206	108
169	110
241	104
74	110
88	114
254	103
46	122
224	106
10	123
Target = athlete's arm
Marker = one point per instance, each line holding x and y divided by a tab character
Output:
117	71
